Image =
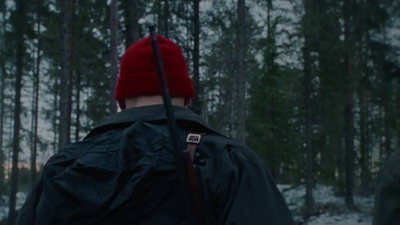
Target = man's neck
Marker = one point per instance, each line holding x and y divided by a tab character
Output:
151	100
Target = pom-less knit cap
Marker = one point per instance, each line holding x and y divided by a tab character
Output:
138	71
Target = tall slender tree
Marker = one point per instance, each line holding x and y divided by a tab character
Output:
65	87
348	109
328	116
131	17
56	102
36	87
78	104
196	56
114	54
363	91
75	77
363	139
271	70
2	95
19	26
166	18
240	71
72	50
307	70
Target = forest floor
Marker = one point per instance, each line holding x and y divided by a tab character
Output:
330	209
21	196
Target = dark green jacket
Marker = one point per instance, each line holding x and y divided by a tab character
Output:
123	173
387	196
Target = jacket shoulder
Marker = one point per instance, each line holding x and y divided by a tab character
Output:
223	147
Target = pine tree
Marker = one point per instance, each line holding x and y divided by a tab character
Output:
19	26
131	17
240	72
114	54
307	104
35	106
65	94
348	109
2	96
328	115
196	57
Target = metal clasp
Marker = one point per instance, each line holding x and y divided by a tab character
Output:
193	138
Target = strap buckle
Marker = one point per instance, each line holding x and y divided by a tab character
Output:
193	138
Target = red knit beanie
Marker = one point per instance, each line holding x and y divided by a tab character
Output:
138	71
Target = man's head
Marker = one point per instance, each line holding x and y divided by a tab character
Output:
138	72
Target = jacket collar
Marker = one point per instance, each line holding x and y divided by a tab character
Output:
149	113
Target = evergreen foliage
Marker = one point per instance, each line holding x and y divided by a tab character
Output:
352	56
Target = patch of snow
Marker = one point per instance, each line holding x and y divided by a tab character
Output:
21	197
3	212
330	209
341	219
4	208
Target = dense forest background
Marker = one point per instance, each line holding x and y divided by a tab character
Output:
311	86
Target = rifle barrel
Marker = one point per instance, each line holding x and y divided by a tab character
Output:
172	126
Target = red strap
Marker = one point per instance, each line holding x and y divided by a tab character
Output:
191	148
198	201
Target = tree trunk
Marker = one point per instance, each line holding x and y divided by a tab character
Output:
368	136
338	146
72	63
74	72
78	101
65	103
2	153
2	87
363	94
240	72
348	109
166	18
307	107
349	151
20	49
271	113
114	54
131	15
196	57
273	153
363	144
388	135
158	10
35	114
381	134
55	105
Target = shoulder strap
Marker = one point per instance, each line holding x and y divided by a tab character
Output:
192	140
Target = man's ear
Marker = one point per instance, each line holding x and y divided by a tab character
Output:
121	104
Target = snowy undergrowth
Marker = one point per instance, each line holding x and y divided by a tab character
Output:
330	209
21	196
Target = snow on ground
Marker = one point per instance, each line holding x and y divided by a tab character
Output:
330	209
4	204
343	219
